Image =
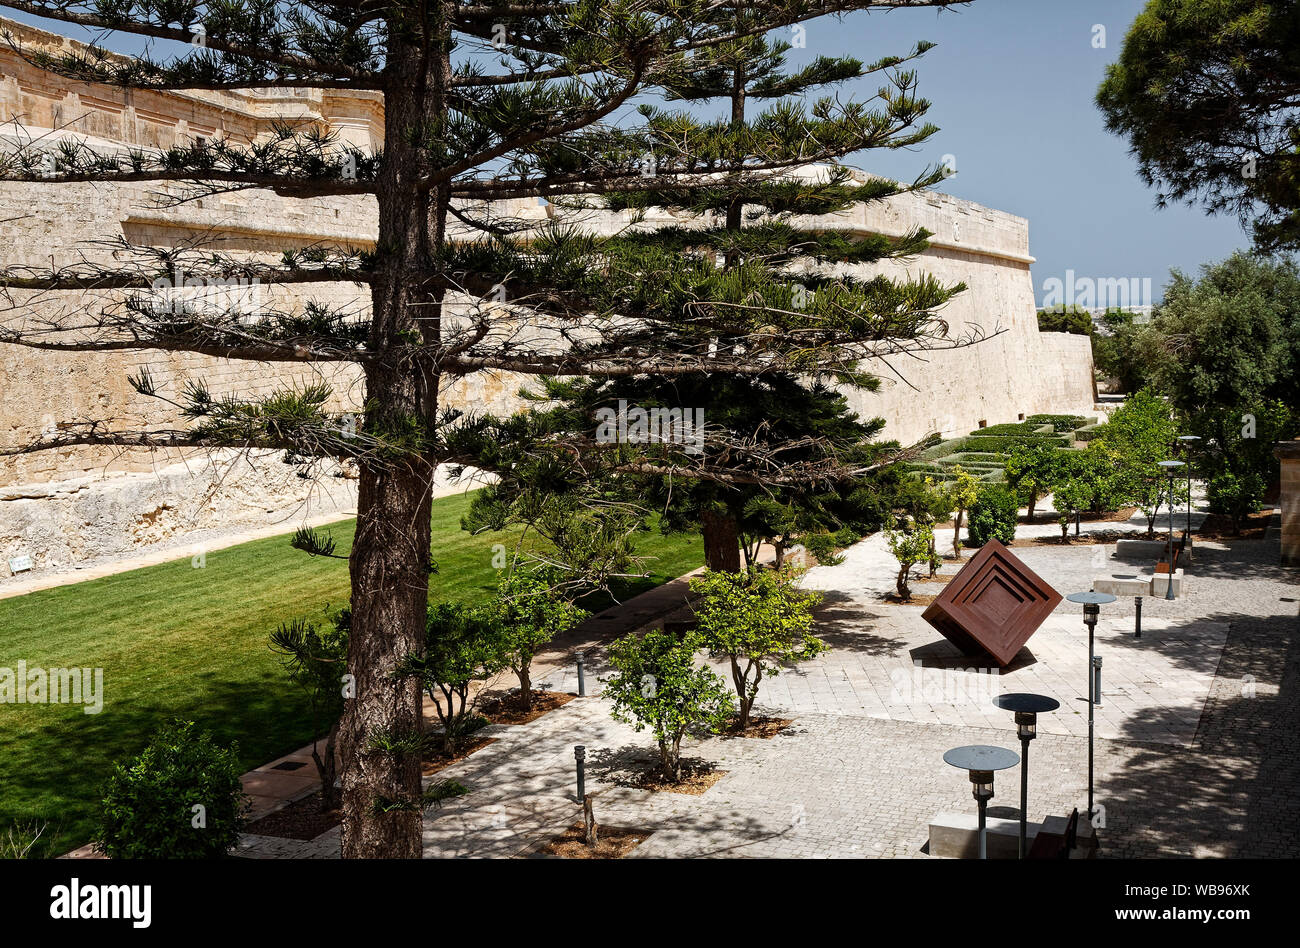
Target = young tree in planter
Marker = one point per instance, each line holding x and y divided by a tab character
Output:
316	660
911	543
759	621
1032	468
657	685
1070	496
994	515
965	491
1236	496
463	645
529	611
483	103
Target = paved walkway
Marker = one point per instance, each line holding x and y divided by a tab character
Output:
1198	750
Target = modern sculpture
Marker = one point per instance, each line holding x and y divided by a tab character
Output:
993	605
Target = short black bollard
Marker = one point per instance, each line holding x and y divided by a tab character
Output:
1137	628
580	755
1096	679
582	678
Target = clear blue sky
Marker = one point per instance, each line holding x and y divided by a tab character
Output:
1012	85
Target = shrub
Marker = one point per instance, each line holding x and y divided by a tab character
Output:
993	516
657	685
1060	423
760	621
180	799
1012	428
912	544
1235	495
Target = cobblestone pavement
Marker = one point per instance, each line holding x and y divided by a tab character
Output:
1198	749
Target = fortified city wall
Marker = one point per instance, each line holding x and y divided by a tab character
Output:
61	507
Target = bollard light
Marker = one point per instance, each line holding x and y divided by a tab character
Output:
1189	443
981	761
1027	707
1092	603
1137	623
582	677
1170	467
580	755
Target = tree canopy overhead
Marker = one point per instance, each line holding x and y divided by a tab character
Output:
482	102
1207	93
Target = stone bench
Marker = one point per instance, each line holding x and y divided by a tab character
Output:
956	836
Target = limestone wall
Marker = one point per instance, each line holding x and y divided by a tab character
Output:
61	507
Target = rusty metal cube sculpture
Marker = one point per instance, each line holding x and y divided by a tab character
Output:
993	605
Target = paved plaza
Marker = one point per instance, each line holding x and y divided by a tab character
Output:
1197	751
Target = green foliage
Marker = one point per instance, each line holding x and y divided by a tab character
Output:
993	516
1060	423
911	543
657	685
1032	469
316	661
530	609
1204	92
149	808
760	621
1235	495
1012	428
462	645
1071	319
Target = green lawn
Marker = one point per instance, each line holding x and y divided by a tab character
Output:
175	640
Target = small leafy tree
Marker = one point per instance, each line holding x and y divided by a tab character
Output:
180	799
317	661
759	621
529	611
965	491
1070	496
657	685
994	516
912	543
1235	495
462	645
1032	468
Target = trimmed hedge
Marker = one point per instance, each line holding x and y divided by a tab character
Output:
1013	428
1061	423
1088	432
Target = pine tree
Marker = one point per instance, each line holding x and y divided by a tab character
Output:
771	238
483	102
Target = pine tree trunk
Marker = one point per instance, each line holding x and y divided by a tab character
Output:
721	542
390	557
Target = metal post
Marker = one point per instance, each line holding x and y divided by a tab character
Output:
1090	613
984	846
1077	517
1169	583
1137	628
582	678
1096	679
1189	501
580	755
1024	790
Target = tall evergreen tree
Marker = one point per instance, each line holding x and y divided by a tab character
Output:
483	102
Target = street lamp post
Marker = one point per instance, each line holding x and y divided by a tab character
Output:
1027	707
981	761
1189	442
1170	467
1092	603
